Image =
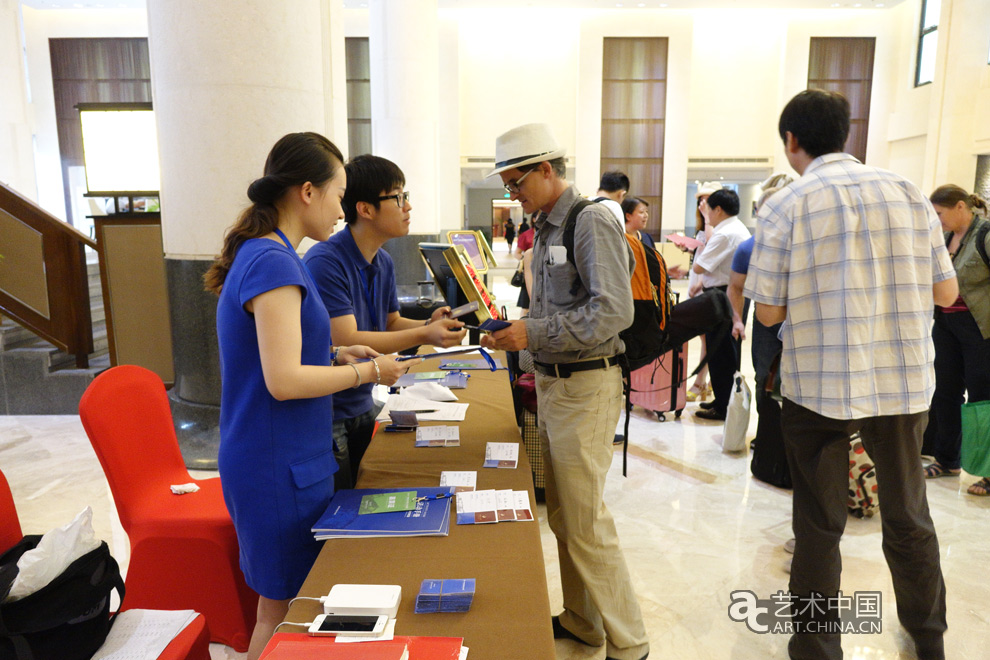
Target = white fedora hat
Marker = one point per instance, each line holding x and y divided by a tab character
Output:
707	188
524	145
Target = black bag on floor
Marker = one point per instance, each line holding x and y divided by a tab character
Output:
68	619
769	462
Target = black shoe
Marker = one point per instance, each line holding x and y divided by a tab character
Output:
707	405
711	414
618	439
608	657
560	632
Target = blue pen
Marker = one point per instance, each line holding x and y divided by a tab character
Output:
438	496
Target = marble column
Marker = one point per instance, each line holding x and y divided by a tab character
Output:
404	53
228	79
16	151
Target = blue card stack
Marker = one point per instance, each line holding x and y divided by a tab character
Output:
445	596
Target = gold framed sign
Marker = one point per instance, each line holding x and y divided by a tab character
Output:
458	280
476	246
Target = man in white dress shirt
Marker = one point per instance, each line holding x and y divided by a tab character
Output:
714	265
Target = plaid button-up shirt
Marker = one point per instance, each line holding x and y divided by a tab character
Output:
852	252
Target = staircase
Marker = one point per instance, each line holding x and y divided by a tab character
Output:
38	379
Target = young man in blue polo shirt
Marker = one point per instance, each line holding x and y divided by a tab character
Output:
356	279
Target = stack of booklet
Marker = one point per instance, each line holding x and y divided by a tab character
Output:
445	596
427	513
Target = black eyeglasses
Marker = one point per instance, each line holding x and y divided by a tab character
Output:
400	198
512	187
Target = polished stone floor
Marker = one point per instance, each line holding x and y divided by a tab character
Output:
694	526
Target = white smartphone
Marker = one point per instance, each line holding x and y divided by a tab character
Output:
370	625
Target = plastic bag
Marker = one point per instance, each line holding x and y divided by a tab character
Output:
737	416
57	549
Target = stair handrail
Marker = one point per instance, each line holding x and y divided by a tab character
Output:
58	270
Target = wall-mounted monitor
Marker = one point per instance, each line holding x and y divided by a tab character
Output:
120	148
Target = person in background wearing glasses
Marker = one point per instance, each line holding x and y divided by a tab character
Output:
575	315
356	279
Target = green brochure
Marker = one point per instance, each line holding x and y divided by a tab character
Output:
386	502
430	375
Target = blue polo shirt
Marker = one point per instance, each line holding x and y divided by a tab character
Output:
740	260
348	284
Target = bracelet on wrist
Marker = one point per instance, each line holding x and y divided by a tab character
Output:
357	374
378	373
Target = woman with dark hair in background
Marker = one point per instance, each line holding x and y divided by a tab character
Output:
961	332
636	214
276	458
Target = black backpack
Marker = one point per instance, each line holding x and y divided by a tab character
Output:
645	338
68	619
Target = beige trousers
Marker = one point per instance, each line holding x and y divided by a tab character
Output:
577	419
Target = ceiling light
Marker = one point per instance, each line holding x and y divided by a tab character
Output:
642	4
834	4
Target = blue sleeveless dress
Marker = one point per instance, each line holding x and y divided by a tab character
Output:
276	457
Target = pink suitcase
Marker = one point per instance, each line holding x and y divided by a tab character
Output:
660	386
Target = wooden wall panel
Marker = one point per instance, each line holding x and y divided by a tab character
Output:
634	101
845	65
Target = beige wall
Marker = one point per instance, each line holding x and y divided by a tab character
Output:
959	114
16	152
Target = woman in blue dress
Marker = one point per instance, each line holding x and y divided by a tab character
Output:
276	454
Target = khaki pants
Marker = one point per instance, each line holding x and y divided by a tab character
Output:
577	422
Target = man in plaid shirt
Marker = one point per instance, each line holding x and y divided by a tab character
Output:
852	257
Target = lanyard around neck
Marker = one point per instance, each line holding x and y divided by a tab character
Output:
369	287
284	239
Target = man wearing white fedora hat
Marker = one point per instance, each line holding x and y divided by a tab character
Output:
579	304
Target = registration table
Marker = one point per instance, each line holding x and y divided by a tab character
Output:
510	615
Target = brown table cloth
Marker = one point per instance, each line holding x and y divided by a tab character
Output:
510	615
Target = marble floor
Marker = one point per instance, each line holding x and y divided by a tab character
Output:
694	527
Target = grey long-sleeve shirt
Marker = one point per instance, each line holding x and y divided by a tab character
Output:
562	327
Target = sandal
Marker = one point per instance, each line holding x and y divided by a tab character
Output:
980	488
695	393
935	470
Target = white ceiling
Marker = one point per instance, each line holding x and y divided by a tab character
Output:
561	4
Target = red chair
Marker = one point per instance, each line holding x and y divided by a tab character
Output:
184	552
10	526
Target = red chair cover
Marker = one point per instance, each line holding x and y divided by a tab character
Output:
10	527
184	552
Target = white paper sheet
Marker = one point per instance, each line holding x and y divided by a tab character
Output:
143	634
442	411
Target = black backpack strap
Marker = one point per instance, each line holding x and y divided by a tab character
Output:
569	222
981	242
